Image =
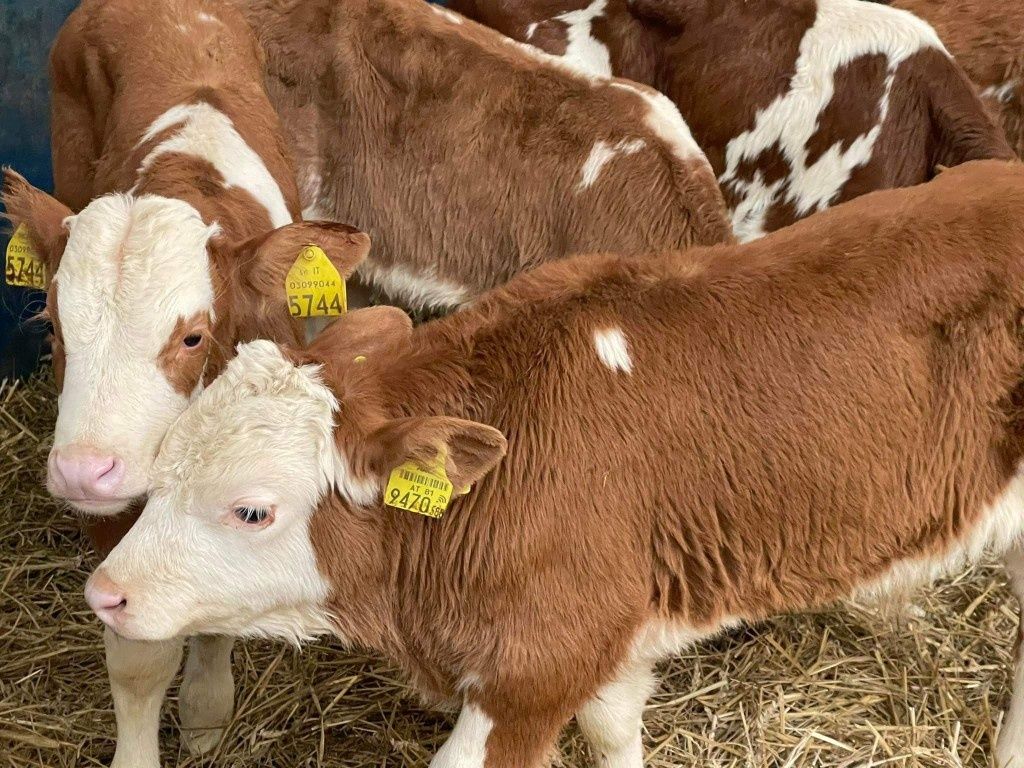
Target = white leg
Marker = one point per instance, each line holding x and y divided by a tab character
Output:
139	676
467	746
207	697
612	721
1010	751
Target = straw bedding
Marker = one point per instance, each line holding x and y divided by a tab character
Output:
854	687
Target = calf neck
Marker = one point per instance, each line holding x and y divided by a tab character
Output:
692	440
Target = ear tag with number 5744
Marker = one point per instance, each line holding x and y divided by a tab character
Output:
24	266
314	286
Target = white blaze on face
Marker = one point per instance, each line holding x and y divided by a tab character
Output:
131	269
844	30
205	132
260	436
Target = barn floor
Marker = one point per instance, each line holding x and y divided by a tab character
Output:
848	688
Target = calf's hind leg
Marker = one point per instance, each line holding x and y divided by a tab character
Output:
207	697
1010	750
612	721
139	675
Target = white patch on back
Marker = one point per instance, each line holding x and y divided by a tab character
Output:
207	133
584	51
131	269
419	291
531	30
613	349
467	746
844	30
207	18
664	120
600	155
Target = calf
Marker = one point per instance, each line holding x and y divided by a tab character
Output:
798	104
468	158
693	440
987	39
164	138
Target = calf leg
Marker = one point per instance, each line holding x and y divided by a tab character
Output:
1010	751
207	697
139	675
611	722
505	741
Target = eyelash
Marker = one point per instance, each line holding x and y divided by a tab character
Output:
251	515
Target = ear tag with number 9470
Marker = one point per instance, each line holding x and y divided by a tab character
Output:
314	286
415	489
24	266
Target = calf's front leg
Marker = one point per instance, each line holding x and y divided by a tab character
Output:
139	675
612	721
1010	750
207	698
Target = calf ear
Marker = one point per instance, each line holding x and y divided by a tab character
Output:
42	215
360	334
471	450
270	257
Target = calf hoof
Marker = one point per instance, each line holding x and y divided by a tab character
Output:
200	741
207	698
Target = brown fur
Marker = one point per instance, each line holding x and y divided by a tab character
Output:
802	413
722	61
468	179
987	39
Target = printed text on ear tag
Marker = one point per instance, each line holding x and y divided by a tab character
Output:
24	266
414	489
314	287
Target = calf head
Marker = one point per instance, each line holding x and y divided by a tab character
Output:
147	302
223	545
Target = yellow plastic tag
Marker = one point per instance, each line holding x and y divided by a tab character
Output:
314	287
424	491
24	266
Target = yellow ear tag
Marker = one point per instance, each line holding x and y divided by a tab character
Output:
415	489
24	266
314	287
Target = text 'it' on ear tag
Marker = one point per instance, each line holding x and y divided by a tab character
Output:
426	491
314	286
24	267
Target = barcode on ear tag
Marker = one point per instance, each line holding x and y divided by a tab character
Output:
415	489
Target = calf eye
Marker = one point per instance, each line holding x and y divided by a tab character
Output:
252	515
193	341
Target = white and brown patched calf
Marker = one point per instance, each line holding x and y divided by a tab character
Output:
468	158
987	39
165	145
798	105
690	441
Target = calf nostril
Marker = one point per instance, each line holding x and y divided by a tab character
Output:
104	468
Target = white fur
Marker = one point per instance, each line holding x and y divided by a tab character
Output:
467	746
531	30
664	120
1010	748
843	31
207	18
1002	92
421	291
454	18
612	721
262	433
207	696
360	491
613	349
205	132
132	267
584	51
600	155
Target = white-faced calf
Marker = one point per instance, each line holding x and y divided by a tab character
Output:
164	138
799	104
693	440
468	157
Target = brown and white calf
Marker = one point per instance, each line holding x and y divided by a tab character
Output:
468	158
690	441
987	39
797	104
166	146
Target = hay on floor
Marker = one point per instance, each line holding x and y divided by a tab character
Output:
847	688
